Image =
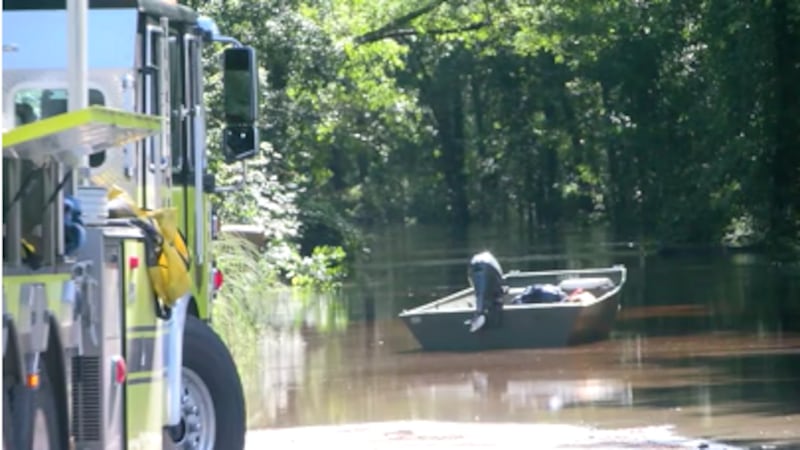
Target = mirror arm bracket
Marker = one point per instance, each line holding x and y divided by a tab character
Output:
211	32
228	40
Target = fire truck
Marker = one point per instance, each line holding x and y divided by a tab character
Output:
107	342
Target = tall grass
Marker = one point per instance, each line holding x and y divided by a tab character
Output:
240	307
255	307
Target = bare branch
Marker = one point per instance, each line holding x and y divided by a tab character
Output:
394	25
405	32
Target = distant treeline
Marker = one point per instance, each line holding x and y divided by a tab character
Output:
674	121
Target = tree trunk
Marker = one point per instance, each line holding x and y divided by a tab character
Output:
444	96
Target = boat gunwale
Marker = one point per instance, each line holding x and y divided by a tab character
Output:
432	307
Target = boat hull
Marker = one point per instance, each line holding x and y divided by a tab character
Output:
517	326
584	309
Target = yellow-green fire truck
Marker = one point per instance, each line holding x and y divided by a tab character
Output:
103	96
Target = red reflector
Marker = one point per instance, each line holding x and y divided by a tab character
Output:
133	262
218	279
120	370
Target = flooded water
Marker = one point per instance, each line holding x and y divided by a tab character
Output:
705	349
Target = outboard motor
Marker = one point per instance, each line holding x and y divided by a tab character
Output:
486	277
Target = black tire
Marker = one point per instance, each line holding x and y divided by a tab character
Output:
8	430
206	355
44	406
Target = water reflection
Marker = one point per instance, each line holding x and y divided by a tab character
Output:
723	385
554	395
293	308
532	395
281	350
283	366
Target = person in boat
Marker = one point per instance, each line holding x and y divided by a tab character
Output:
486	278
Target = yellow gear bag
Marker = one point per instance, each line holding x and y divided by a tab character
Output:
168	261
170	274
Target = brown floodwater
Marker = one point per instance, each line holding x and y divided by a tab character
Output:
701	355
732	387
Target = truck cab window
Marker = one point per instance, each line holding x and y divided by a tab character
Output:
176	105
25	113
35	104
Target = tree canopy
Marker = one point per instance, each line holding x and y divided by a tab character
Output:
673	121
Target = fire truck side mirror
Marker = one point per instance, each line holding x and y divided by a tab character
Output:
239	142
240	92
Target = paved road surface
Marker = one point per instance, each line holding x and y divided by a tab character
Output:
451	435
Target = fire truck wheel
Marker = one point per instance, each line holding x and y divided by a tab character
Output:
213	403
40	429
7	428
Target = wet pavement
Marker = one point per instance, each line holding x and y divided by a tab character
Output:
450	435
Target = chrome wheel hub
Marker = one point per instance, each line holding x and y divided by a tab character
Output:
197	410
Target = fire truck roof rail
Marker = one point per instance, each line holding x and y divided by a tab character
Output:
70	136
157	8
